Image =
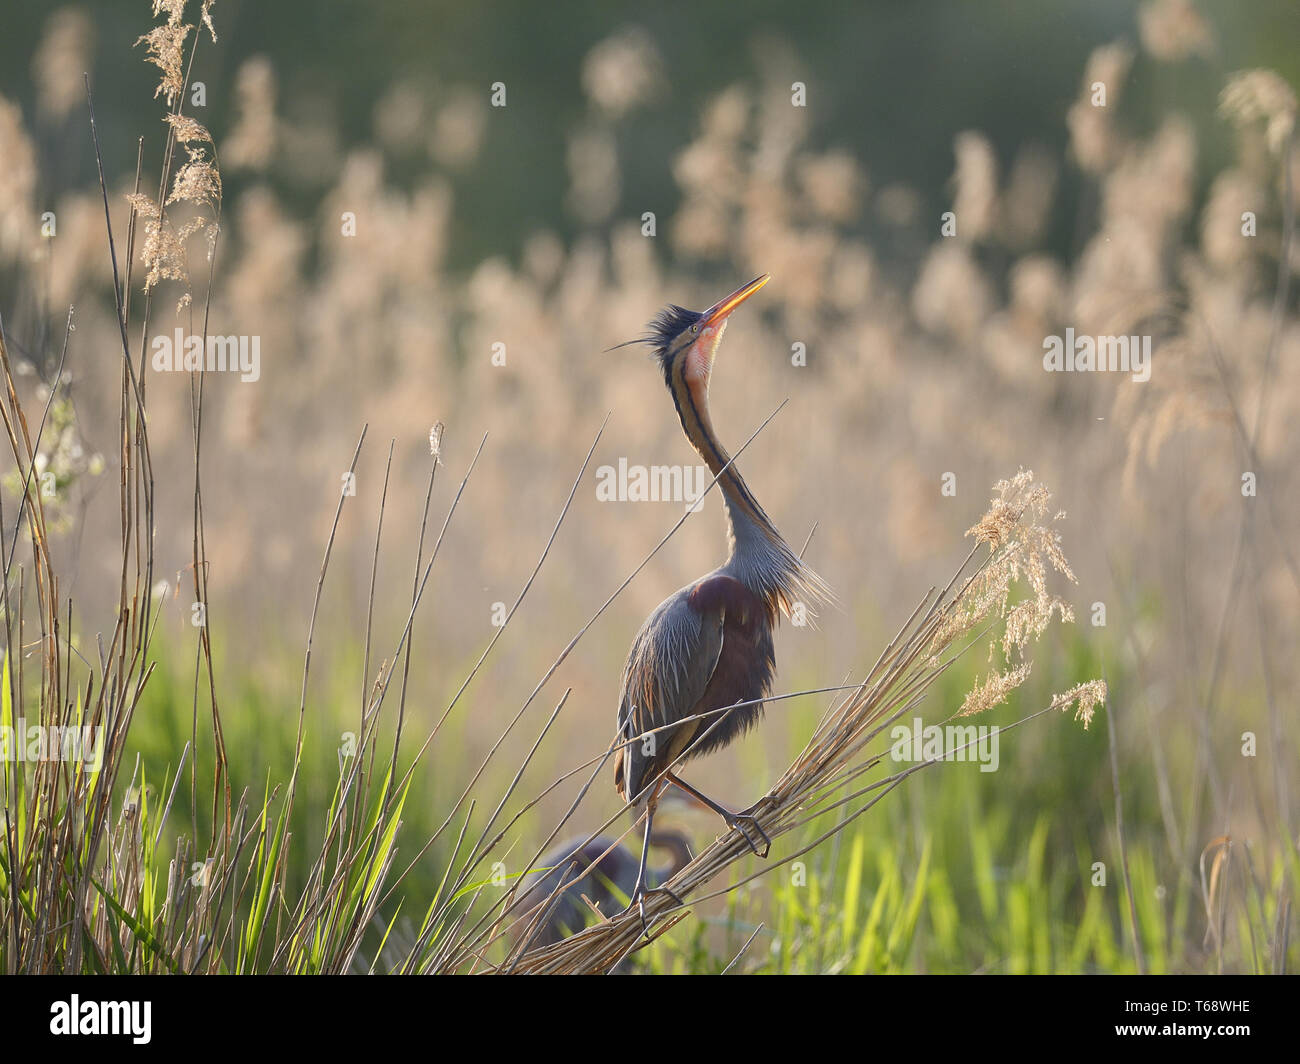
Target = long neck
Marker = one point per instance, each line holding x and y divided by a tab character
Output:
759	557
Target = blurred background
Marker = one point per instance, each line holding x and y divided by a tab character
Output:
527	225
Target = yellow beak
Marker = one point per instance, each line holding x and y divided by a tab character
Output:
722	308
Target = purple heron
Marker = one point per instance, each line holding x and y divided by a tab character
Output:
708	646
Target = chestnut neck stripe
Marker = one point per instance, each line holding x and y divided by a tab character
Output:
695	425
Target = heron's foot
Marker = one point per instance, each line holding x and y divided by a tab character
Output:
638	900
736	820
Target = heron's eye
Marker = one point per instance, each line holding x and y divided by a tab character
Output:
694	329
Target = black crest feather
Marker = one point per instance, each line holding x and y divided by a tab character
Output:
669	324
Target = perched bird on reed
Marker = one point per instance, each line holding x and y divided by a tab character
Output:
604	878
708	646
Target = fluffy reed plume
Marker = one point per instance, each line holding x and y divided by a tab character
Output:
196	182
1261	96
835	769
59	60
165	45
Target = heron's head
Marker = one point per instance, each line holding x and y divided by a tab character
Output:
689	338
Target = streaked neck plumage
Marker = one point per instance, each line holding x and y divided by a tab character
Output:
759	557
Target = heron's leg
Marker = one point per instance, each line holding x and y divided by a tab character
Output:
640	891
733	820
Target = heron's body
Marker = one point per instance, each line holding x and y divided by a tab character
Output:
709	645
719	635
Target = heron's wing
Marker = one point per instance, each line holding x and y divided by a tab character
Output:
669	667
